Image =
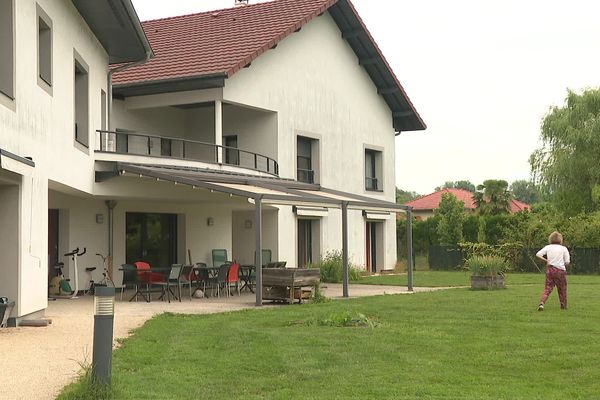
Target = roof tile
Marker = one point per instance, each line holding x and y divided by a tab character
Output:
432	201
218	42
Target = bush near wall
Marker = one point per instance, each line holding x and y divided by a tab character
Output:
331	268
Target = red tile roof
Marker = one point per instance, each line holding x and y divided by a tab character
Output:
218	42
432	201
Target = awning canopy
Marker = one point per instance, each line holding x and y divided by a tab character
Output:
275	191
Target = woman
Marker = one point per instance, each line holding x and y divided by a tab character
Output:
557	259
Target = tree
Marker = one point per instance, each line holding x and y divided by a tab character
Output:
492	197
525	191
451	214
403	196
566	166
465	185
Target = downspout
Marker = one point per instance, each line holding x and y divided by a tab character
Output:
149	55
110	204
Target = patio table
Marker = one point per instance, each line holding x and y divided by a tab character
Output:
211	272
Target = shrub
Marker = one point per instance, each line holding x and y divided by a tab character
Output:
487	265
331	268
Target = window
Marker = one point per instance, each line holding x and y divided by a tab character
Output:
373	168
81	102
7	54
44	47
231	156
306	157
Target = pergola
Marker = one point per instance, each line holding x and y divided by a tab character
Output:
272	191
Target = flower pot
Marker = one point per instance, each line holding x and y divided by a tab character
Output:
487	282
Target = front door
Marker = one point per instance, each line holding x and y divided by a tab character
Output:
151	238
371	247
304	242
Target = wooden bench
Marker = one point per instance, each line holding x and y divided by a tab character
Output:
286	284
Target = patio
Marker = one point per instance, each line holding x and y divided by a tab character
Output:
38	362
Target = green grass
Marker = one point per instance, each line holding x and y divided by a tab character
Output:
452	344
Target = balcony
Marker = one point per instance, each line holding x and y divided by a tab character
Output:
141	144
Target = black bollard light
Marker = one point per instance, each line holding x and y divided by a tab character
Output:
104	317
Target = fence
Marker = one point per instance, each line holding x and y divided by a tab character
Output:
583	260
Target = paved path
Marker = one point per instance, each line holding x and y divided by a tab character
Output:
38	362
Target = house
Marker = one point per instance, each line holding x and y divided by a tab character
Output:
265	126
424	206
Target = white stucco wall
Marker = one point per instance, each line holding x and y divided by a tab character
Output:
314	82
39	123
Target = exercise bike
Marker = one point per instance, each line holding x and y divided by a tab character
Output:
60	287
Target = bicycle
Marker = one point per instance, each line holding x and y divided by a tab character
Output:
106	279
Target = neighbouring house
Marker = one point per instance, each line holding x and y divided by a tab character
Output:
267	126
424	206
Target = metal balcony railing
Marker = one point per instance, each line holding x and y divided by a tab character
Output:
142	144
305	175
371	183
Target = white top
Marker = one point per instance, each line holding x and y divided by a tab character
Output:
557	255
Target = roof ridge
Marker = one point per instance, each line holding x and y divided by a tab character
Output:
209	11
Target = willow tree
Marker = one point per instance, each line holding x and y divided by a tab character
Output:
567	165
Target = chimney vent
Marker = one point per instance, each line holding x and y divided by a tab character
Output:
241	3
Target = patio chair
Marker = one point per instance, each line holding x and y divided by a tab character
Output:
219	257
130	279
222	278
171	278
147	277
187	275
233	276
266	254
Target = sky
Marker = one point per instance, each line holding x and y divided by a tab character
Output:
482	74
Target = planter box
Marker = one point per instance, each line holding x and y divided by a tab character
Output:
487	282
285	284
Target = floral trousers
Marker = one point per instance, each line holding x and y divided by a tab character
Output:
556	277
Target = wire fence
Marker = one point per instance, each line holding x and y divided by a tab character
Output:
583	260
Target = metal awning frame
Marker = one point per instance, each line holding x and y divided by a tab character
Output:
293	196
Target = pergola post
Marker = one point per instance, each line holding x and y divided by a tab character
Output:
258	251
219	131
409	249
345	248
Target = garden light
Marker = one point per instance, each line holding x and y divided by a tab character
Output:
104	305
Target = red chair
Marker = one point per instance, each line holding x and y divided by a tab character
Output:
233	277
147	276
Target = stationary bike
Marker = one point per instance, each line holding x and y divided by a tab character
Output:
59	285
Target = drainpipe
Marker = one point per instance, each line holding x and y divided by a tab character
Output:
149	55
110	204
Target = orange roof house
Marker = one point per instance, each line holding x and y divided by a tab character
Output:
424	206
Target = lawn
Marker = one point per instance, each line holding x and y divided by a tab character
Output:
457	344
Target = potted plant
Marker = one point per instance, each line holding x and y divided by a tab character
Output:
487	272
